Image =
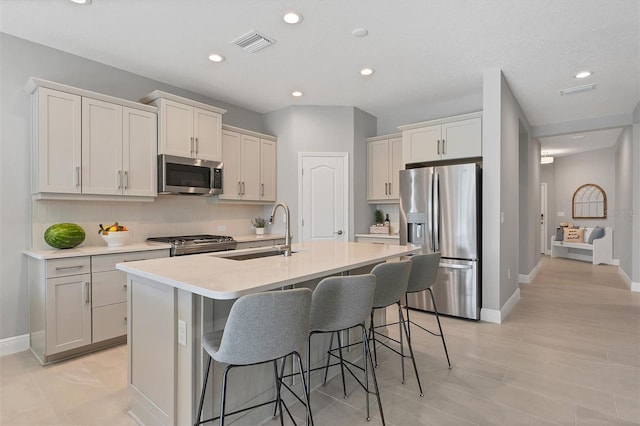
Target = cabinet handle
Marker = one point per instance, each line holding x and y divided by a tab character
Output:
191	145
126	179
444	147
438	146
243	188
385	189
389	188
124	285
77	176
60	268
262	192
197	146
125	319
239	188
119	179
87	298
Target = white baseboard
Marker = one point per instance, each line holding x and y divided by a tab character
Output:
526	279
548	253
496	317
633	286
14	344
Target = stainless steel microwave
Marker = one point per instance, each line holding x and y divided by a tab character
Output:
180	175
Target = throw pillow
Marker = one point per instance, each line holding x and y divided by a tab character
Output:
598	232
572	235
559	234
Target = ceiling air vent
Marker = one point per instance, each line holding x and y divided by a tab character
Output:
253	41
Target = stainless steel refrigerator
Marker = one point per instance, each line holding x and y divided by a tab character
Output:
440	212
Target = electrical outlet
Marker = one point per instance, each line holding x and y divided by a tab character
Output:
222	228
560	214
182	333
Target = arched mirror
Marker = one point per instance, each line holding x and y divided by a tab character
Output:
589	202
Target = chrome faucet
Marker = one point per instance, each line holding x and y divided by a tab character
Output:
287	235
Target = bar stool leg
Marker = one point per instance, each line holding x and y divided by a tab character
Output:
278	404
400	324
413	359
304	389
406	305
372	335
326	367
224	394
344	385
204	388
369	359
444	344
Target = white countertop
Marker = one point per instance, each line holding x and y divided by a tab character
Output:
389	236
212	276
93	250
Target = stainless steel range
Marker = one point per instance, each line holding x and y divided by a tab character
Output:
194	244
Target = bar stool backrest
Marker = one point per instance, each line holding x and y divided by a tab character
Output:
342	302
391	282
265	326
424	270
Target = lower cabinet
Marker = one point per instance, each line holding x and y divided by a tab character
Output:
78	304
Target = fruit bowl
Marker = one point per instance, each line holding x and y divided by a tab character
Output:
116	239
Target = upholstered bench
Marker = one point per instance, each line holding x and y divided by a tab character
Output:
601	249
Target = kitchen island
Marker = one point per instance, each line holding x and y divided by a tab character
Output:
172	302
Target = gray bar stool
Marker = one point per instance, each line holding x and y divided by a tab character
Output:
391	285
423	276
261	328
338	304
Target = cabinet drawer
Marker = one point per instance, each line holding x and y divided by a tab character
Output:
107	262
108	287
261	243
109	321
69	266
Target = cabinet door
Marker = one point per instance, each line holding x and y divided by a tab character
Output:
377	170
395	165
268	174
250	158
68	307
176	129
231	177
108	287
101	147
422	144
139	152
57	133
207	131
109	321
462	139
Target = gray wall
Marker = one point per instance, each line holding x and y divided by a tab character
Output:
572	171
621	212
20	60
548	175
529	203
364	127
321	129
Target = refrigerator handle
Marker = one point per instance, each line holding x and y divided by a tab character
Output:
429	223
436	212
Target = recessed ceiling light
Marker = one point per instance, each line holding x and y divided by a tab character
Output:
577	136
82	2
292	18
360	32
366	71
214	57
583	74
296	93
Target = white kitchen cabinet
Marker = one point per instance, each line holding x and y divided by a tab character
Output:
78	304
444	139
56	128
384	162
91	146
249	170
187	128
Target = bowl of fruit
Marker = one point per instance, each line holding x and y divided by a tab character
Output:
114	235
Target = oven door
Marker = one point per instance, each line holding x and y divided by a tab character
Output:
178	175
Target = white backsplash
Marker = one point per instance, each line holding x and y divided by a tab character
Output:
166	216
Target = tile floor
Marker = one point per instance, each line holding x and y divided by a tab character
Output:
569	353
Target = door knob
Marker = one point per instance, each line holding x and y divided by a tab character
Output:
339	232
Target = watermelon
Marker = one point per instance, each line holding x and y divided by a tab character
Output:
64	235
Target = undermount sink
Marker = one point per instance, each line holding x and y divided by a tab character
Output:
249	256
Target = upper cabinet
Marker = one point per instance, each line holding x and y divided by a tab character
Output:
91	145
249	165
444	139
187	128
384	162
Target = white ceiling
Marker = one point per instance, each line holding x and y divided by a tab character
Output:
561	145
424	52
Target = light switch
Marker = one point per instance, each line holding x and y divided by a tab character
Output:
501	217
222	228
560	214
182	333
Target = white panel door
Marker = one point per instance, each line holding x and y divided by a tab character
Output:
268	167
59	145
231	177
462	139
102	171
323	196
139	156
176	132
207	130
